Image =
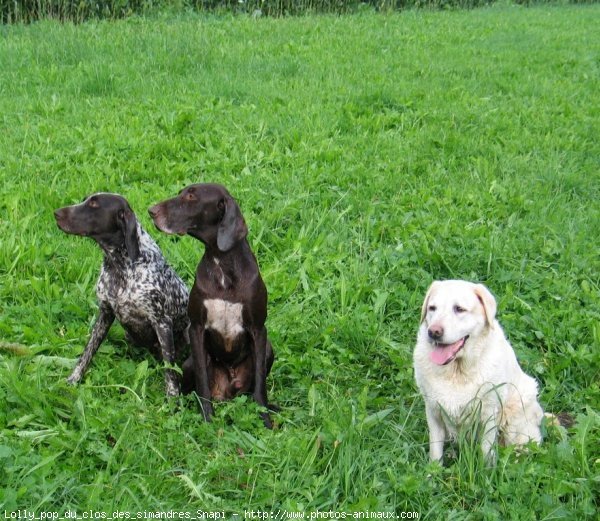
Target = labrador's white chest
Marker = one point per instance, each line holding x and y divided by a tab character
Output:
225	318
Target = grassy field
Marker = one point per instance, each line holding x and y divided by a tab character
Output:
370	155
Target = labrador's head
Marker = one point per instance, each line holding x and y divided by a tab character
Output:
453	312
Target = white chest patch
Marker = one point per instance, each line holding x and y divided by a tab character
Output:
224	317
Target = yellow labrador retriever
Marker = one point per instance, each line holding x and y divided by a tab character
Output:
465	368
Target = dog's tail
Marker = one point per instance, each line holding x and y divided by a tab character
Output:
562	419
14	349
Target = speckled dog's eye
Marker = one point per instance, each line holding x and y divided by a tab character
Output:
93	203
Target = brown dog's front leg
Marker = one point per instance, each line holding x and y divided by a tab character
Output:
105	319
200	359
260	374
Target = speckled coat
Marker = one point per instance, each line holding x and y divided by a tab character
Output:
149	300
143	294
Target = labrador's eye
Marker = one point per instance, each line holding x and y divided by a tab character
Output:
459	309
431	308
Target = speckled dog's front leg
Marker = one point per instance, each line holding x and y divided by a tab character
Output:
164	332
105	319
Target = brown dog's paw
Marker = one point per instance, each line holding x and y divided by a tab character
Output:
273	408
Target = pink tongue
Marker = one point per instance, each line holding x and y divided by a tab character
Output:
442	353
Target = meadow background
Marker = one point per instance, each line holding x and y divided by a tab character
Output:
371	154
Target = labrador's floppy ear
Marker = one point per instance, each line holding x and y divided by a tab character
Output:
128	224
232	228
426	301
487	301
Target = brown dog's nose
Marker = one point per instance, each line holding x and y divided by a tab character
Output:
435	332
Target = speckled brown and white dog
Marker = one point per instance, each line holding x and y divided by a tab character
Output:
136	284
467	371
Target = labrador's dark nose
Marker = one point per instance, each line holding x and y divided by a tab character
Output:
435	332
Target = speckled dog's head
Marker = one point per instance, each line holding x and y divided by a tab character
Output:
106	218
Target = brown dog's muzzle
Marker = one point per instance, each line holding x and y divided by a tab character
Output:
161	217
157	212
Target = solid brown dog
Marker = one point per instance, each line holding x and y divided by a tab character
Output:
228	301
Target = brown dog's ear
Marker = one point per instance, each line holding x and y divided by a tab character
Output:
487	301
128	225
232	228
426	301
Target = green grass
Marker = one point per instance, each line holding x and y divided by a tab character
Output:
370	155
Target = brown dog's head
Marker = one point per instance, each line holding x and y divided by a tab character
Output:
204	211
106	218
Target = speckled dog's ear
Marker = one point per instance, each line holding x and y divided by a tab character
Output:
232	228
128	224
